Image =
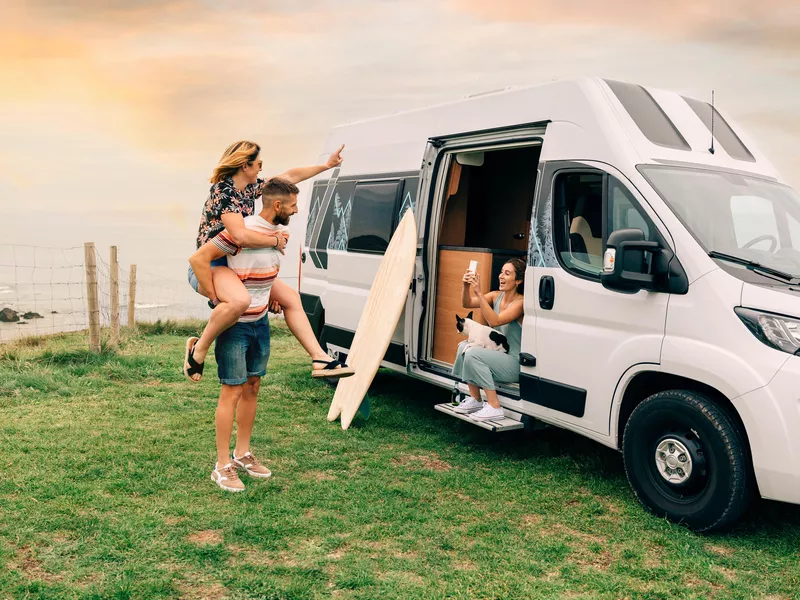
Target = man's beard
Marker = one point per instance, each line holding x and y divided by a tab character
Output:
282	219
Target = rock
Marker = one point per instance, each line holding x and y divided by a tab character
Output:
32	315
22	323
8	316
53	312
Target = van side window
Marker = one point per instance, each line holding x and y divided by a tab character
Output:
578	221
373	216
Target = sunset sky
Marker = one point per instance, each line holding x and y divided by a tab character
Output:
114	113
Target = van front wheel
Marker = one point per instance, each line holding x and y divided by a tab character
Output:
686	460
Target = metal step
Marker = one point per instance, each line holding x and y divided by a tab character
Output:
510	422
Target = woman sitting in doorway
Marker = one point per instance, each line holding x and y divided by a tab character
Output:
480	367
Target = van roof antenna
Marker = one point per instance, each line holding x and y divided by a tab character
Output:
711	149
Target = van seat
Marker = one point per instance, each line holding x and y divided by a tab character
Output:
583	242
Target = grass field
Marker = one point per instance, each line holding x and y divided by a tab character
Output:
105	493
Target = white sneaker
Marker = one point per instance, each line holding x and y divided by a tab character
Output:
487	413
227	478
470	405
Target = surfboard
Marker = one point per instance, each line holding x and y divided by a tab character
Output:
385	303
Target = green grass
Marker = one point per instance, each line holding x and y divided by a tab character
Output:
105	493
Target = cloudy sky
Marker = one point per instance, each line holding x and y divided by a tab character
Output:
113	113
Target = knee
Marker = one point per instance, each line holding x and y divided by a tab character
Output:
253	384
241	303
231	394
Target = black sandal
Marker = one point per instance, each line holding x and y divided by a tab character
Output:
332	368
195	368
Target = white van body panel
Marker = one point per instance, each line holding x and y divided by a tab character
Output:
771	415
707	342
770	300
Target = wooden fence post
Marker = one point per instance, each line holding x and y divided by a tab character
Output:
114	292
93	307
132	298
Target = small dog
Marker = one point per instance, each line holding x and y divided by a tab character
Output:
481	335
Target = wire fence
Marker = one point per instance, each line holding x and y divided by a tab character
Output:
43	291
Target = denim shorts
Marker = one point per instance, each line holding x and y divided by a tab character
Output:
217	262
242	351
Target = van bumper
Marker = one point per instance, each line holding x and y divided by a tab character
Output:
771	415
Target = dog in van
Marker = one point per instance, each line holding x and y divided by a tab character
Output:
479	335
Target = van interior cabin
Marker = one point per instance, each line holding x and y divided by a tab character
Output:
486	217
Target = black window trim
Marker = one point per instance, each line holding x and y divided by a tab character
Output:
401	183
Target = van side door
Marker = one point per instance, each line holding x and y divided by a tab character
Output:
586	335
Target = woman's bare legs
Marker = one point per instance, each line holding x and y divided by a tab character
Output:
234	300
296	319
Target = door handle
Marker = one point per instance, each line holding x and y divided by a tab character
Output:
547	292
527	360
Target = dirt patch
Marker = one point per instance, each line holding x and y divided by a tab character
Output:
432	462
31	567
728	574
208	537
559	530
210	591
319	476
464	564
336	554
531	519
173	520
720	550
598	560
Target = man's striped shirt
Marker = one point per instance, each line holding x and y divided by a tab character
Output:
256	267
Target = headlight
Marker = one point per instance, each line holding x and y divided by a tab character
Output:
776	331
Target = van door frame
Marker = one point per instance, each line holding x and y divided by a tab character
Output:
434	174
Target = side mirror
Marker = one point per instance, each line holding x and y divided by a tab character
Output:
624	266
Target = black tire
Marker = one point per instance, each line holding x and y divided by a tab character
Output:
708	491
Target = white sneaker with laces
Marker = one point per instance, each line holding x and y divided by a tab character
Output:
488	413
470	405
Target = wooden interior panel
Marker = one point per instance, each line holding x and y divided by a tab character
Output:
454	223
452	265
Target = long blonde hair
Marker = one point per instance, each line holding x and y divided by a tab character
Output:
236	156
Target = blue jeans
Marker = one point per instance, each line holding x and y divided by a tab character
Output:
242	351
217	262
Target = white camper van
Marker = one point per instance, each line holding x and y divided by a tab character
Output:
662	292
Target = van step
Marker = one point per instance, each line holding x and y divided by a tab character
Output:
510	422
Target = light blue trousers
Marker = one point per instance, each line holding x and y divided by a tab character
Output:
485	368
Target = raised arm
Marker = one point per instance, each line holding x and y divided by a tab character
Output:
247	238
299	174
484	301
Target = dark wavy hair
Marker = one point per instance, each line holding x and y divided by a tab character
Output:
519	267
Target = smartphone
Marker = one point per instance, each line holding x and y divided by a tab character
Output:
473	266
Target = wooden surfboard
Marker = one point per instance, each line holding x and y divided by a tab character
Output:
385	304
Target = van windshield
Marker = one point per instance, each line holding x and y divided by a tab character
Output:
734	214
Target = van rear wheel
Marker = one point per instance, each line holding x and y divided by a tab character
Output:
686	460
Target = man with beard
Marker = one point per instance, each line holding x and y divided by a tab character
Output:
242	351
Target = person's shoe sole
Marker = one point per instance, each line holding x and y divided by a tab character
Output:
466	411
476	418
333	373
224	487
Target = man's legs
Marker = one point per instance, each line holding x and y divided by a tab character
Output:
229	397
246	415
